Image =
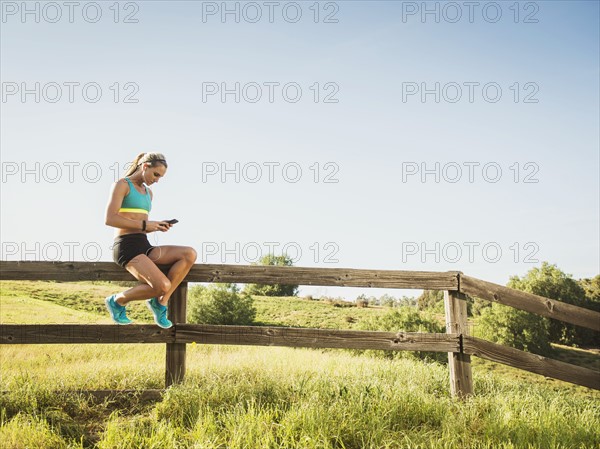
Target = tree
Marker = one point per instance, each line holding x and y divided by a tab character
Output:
591	287
516	328
362	300
549	281
387	300
276	289
373	300
431	299
530	332
407	301
221	304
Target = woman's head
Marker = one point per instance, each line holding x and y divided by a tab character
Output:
152	166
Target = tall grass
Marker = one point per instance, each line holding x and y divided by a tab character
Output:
253	397
239	397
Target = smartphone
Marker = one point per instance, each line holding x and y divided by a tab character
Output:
173	221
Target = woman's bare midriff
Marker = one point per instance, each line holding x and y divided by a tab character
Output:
131	216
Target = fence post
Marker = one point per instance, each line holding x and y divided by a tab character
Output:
459	363
175	363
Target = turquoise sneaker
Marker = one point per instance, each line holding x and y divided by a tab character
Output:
116	310
160	313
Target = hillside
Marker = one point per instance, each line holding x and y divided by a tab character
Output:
290	311
254	397
296	312
89	297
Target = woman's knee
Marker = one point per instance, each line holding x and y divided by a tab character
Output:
190	254
162	287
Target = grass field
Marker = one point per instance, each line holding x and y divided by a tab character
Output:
254	397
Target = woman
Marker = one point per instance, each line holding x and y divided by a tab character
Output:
127	211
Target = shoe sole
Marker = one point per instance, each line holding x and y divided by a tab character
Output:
154	316
112	315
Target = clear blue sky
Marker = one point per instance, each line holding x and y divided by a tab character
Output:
543	56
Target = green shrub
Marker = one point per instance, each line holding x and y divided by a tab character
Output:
405	319
220	304
275	289
516	328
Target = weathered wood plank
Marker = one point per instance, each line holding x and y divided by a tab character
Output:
459	364
316	338
83	333
530	303
64	271
348	277
175	354
227	335
532	362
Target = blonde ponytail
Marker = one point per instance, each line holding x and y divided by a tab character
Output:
153	158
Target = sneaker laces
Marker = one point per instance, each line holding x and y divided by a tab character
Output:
121	311
163	312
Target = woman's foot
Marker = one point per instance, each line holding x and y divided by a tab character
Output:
116	310
160	313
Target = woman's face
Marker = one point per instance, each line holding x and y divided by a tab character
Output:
150	175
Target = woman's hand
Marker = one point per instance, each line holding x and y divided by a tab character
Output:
153	226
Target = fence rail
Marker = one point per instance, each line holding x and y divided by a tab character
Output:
530	303
228	335
532	362
456	342
342	277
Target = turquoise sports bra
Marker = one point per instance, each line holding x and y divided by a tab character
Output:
136	201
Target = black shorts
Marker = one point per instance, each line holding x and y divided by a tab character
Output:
127	246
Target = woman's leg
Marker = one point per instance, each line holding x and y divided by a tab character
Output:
181	259
154	282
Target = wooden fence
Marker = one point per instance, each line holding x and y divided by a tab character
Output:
456	341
